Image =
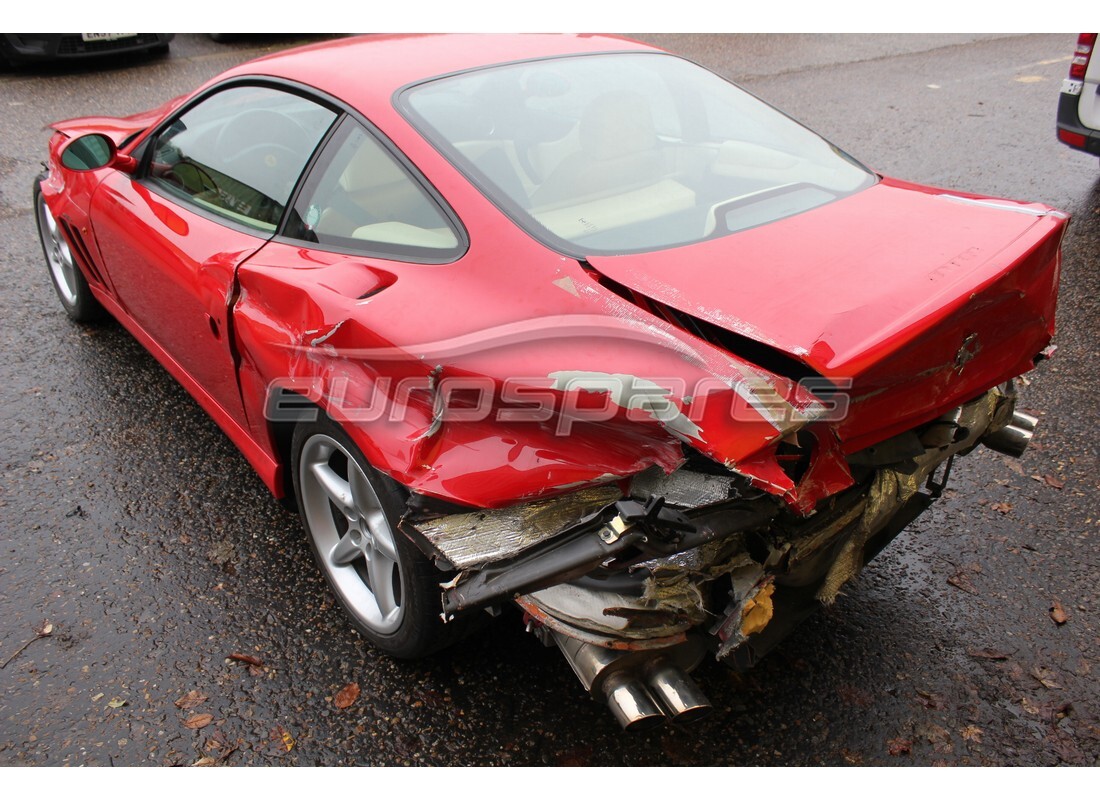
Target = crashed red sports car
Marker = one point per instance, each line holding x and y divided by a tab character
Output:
560	321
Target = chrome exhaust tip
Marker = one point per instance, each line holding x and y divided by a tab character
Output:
1024	421
641	688
1013	438
681	697
631	704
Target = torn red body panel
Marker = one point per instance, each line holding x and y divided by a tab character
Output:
934	278
343	343
905	368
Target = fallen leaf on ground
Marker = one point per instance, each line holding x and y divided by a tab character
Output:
1004	508
988	653
929	700
972	733
1051	712
1053	482
934	733
899	747
247	659
198	721
346	696
191	699
961	580
282	735
1058	614
205	761
116	702
44	629
217	741
1045	677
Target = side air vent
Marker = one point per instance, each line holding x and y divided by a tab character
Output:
80	251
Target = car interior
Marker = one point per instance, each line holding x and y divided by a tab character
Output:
643	166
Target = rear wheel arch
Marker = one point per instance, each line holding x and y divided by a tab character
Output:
353	525
281	438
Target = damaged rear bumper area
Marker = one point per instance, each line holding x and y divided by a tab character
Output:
637	581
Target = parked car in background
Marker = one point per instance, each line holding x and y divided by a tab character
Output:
565	322
25	48
1079	103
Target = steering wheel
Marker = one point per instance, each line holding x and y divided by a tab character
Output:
269	153
172	176
265	168
258	128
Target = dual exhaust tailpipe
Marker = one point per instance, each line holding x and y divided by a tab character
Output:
645	688
642	689
1013	438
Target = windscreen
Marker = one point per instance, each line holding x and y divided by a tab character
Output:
632	152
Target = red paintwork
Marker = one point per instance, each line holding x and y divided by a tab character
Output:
184	302
479	463
116	128
888	308
882	287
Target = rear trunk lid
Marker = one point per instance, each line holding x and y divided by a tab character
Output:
921	297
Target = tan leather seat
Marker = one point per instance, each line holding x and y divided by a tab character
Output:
618	152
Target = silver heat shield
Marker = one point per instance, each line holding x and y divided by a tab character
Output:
481	537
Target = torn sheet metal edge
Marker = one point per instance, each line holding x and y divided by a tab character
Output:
589	608
480	537
612	643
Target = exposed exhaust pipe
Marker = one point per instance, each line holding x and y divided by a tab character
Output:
681	697
1013	438
631	703
642	688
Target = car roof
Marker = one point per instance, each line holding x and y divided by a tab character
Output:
365	71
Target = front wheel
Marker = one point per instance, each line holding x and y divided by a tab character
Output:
68	281
350	513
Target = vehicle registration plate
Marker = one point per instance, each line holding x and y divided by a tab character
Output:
105	37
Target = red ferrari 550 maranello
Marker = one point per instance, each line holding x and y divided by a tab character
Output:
560	321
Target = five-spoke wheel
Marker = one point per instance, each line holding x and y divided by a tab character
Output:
352	535
72	289
350	511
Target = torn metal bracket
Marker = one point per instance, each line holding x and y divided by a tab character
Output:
614	530
582	549
660	524
936	488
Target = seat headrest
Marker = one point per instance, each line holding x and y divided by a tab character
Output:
617	124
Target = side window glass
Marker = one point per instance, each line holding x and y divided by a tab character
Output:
362	198
240	152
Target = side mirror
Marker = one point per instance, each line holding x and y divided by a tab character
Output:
93	151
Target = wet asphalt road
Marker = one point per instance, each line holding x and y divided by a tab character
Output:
131	524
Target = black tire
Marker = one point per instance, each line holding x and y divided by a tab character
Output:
68	281
323	448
